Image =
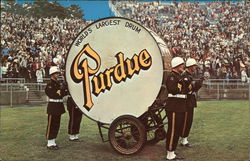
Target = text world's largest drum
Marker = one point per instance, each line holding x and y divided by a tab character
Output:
114	67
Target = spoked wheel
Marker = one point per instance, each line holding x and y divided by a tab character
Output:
127	135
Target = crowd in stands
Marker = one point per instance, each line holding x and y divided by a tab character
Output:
29	45
215	34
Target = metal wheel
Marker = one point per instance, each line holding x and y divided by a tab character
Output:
127	135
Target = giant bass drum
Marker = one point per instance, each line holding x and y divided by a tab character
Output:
114	71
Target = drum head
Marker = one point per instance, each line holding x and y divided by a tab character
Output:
114	67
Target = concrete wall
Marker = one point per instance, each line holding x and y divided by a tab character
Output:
42	95
224	94
18	97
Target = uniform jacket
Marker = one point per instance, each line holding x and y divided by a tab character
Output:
176	104
191	99
55	91
196	85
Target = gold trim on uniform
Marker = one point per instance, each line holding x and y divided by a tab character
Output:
172	132
48	128
185	124
179	86
58	92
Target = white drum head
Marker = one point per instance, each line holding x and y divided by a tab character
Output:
114	67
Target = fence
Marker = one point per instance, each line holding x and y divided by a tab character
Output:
224	83
224	90
13	93
12	80
17	91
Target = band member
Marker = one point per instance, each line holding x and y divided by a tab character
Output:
55	107
191	67
75	118
177	87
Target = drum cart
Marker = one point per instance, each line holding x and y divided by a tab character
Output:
131	60
128	134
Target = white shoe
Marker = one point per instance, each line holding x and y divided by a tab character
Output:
71	137
170	155
51	142
74	138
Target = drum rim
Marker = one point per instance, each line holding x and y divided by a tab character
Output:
112	17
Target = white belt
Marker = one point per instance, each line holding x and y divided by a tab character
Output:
55	100
177	95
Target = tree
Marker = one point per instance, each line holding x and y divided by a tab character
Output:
40	8
10	1
11	6
57	10
76	11
43	8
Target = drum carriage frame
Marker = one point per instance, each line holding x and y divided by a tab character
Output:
149	127
128	135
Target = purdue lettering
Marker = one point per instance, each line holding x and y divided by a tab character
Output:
81	71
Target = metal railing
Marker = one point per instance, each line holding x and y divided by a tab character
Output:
35	86
225	90
225	80
12	80
212	89
208	84
22	80
10	89
5	87
224	83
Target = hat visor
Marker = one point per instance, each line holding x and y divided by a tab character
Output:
178	65
192	65
55	73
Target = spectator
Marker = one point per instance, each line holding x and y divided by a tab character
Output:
4	68
212	33
244	77
201	30
39	75
207	74
34	42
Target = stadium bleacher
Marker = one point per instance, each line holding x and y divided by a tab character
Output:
215	34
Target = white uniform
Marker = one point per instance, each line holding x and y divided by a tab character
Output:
244	77
39	76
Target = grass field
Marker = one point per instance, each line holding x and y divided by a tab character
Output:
221	132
